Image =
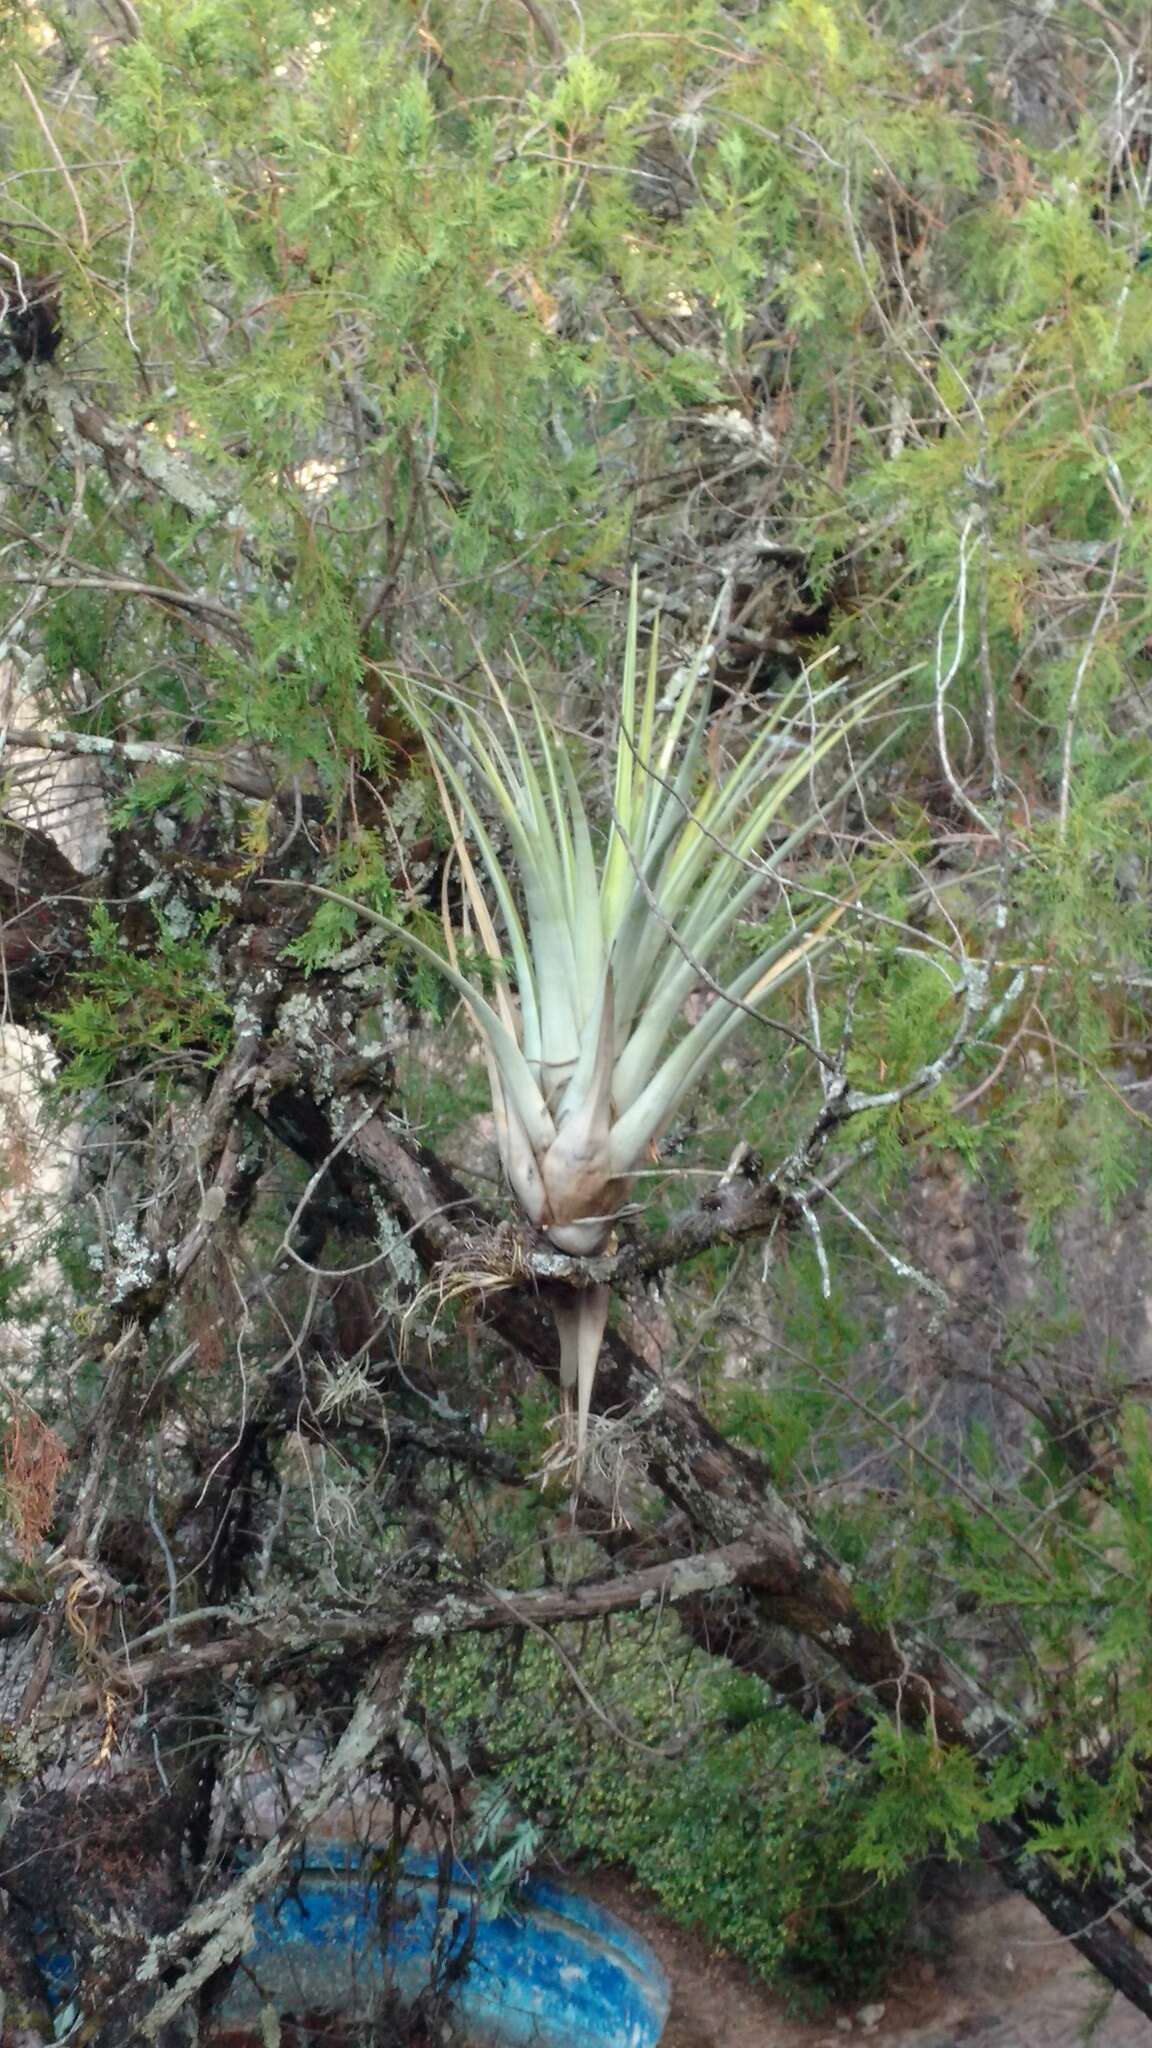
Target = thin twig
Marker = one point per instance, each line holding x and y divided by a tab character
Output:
1086	654
58	160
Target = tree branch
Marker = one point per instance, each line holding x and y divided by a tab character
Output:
45	908
728	1498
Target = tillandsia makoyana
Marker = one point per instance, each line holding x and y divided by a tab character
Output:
587	945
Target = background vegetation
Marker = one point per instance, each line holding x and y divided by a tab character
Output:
346	345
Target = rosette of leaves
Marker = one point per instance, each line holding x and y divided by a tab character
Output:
585	945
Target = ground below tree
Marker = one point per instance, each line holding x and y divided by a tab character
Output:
990	1974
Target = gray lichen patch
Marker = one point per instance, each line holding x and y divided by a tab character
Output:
400	1259
451	1615
698	1575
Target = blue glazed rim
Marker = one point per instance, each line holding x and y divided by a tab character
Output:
339	1861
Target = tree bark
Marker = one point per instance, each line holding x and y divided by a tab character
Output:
45	907
728	1497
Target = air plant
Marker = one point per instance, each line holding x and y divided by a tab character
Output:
584	953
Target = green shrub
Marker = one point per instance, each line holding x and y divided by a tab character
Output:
727	1807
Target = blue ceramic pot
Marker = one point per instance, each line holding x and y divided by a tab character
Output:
550	1970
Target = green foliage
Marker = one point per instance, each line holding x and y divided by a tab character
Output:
360	871
163	1004
927	1801
417	335
727	1807
172	787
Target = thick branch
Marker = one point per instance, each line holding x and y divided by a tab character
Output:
728	1498
726	1495
738	1210
236	770
44	917
407	1617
